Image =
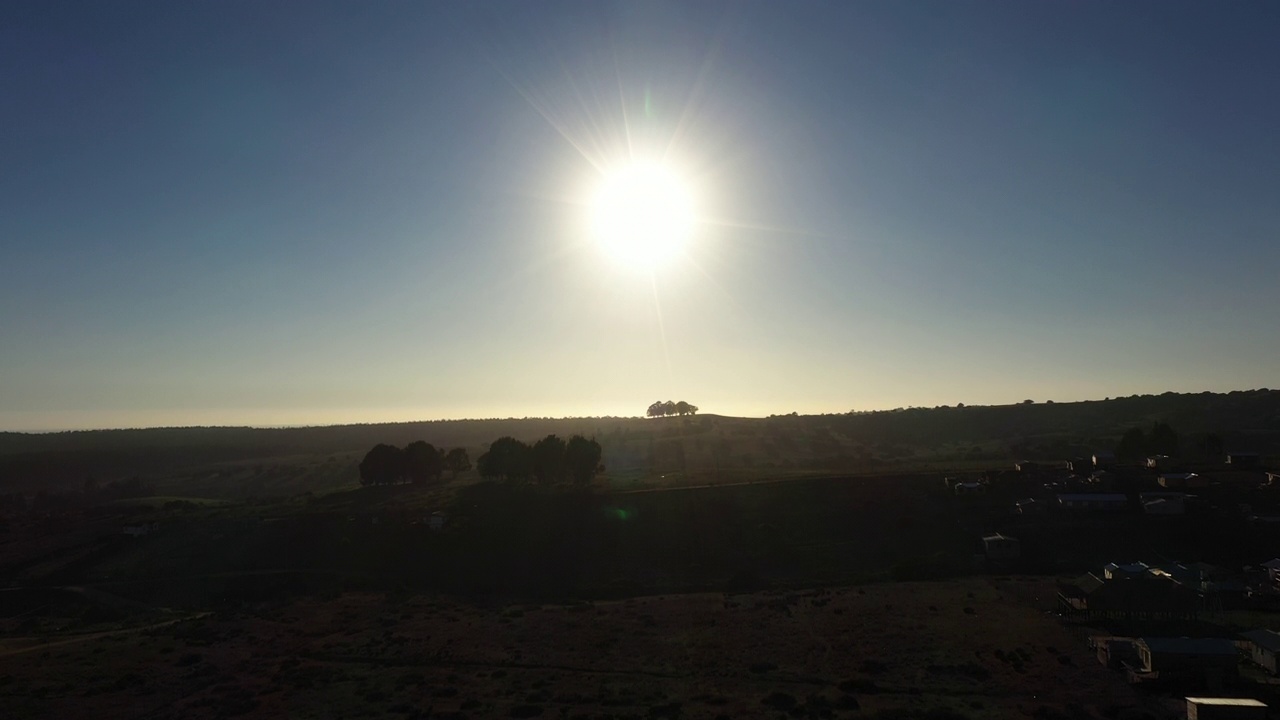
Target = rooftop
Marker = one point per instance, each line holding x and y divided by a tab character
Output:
1244	702
1191	646
1263	638
1093	497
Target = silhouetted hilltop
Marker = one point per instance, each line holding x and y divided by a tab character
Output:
701	444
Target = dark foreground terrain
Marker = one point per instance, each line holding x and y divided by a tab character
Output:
959	649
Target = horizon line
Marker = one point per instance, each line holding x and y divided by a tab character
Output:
300	426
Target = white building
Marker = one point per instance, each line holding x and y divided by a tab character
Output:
1207	708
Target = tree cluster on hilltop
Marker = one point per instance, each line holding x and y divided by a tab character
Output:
670	407
417	462
550	460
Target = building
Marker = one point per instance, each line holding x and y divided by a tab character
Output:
969	488
1183	480
1263	646
1103	458
1203	662
1159	462
1092	501
1114	652
1272	567
1141	596
1001	547
1243	459
436	521
1029	506
1163	503
1127	571
1214	708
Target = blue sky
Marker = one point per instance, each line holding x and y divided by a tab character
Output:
303	213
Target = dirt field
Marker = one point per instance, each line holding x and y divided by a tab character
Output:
964	649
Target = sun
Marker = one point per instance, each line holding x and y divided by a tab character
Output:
642	214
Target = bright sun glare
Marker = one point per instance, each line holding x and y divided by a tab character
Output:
642	214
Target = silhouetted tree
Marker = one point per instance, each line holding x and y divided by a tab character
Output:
1213	446
669	408
381	465
484	466
1163	440
656	410
457	461
548	459
582	457
1132	445
423	461
507	458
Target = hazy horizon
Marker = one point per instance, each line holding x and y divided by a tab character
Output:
375	417
245	213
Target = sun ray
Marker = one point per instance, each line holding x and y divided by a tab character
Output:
662	330
551	120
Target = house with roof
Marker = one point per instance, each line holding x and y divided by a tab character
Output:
1028	506
1263	646
1210	663
1225	708
1159	462
1244	459
1163	503
1124	571
1178	481
1085	502
1104	458
1128	593
1001	547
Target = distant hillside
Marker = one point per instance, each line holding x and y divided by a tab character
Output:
700	445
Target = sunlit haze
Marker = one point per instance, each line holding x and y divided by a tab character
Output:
313	213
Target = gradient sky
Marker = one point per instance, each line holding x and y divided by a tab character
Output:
307	213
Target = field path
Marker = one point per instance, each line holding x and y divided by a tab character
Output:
8	651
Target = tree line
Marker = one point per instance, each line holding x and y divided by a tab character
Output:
417	462
549	461
668	407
